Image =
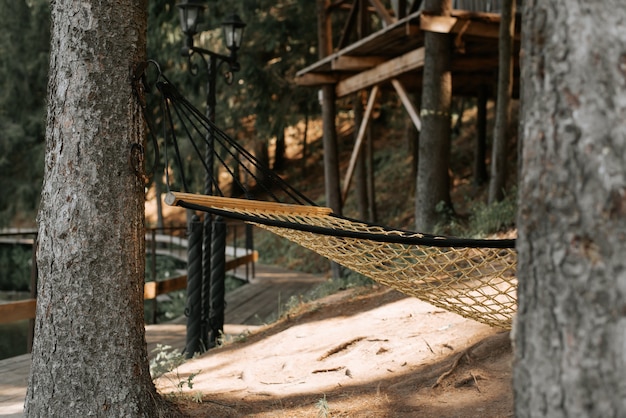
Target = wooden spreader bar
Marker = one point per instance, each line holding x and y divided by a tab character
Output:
218	202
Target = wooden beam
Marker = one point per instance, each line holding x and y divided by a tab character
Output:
438	24
382	12
345	33
253	257
153	289
478	28
448	24
401	8
226	203
359	141
352	63
315	79
17	311
408	104
390	69
324	28
469	64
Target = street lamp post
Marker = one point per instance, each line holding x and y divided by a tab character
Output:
211	312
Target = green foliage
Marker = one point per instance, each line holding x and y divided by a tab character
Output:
15	265
166	266
277	43
166	360
23	79
348	280
14	339
483	219
279	40
279	251
323	409
487	219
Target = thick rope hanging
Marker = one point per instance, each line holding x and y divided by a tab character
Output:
474	278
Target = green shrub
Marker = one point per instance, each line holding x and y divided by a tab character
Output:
499	216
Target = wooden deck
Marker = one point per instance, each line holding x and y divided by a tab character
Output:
247	307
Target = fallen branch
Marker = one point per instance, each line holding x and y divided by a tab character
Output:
339	348
334	369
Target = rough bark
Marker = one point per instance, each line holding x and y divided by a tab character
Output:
480	167
360	173
571	325
331	152
497	181
89	355
433	182
371	178
331	158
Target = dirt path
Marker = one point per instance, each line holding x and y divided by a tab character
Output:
374	354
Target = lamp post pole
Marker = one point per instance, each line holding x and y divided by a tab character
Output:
210	314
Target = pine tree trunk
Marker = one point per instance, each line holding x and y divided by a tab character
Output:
360	171
280	153
433	182
89	355
497	181
480	167
571	327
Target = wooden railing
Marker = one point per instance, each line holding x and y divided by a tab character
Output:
25	309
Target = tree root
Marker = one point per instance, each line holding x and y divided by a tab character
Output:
465	353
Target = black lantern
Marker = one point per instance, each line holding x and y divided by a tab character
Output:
190	15
233	28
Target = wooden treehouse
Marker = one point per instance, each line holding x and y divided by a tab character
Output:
369	45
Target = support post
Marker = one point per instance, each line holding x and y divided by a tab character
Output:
193	310
218	285
208	219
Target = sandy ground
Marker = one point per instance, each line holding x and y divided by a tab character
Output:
373	353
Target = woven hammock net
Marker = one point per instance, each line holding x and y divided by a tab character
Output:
475	282
473	278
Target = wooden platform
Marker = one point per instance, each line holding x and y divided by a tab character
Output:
252	305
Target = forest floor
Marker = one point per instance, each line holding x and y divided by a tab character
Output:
364	352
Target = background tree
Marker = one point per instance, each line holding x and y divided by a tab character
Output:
89	356
22	102
263	98
279	40
432	200
501	129
570	333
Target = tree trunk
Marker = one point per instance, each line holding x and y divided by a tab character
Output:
331	152
280	150
503	103
360	172
331	159
433	182
305	151
89	355
570	330
480	168
371	175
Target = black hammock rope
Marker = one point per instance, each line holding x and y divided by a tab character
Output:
226	155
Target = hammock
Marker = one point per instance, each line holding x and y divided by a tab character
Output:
471	277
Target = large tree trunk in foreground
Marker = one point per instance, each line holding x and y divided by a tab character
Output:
89	356
571	325
433	182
